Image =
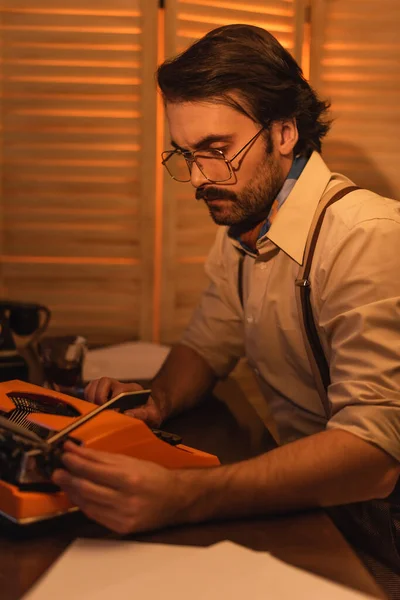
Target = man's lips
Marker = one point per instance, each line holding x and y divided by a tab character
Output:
214	194
212	200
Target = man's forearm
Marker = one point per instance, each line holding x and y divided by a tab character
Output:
325	469
182	381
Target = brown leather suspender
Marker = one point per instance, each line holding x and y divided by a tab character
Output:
316	356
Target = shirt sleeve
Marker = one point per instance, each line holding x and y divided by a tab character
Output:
359	317
216	328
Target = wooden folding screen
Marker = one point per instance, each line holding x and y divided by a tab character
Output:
355	61
78	121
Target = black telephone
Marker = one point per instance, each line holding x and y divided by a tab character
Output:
23	319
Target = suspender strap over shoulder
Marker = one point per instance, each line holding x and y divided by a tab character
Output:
240	277
312	342
315	352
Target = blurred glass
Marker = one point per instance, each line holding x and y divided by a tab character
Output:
62	358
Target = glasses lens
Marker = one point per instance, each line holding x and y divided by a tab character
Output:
176	166
213	165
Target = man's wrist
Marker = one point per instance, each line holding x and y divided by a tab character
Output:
199	493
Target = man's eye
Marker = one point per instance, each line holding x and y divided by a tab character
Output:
216	151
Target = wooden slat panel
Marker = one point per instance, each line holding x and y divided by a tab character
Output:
196	18
189	231
106	293
356	58
76	206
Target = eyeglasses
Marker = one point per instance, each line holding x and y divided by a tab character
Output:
212	164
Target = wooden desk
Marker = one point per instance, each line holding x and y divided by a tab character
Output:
232	430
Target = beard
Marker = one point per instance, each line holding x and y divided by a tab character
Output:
249	206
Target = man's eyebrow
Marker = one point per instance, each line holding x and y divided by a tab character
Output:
205	142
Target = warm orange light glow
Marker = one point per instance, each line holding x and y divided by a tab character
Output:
71	11
69	260
48	62
62	146
192	34
77	29
129	98
74	79
72	212
73	227
69	112
73	162
306	51
244	6
344	61
44	127
192	260
208	20
76	45
73	178
158	229
353	77
365	46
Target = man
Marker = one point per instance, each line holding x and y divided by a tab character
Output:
246	131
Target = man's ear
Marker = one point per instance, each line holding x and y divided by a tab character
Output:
286	136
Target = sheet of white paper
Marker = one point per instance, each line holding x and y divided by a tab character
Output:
131	360
93	570
88	567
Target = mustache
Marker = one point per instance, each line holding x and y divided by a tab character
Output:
214	193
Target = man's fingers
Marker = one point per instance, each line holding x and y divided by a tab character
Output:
82	491
102	509
88	454
90	391
97	456
97	391
141	412
147	413
98	473
106	389
104	468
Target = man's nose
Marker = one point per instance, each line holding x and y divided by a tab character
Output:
196	176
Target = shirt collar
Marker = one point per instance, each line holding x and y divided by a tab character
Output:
289	230
295	171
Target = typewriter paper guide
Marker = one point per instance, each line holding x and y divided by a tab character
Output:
22	403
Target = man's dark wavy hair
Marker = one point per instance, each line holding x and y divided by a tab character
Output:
246	68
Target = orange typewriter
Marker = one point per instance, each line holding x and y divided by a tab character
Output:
34	424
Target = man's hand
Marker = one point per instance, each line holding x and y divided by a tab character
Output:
180	384
325	469
122	493
101	390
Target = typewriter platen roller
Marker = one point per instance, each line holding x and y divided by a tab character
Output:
35	423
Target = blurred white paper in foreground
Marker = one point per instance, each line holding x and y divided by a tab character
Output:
100	570
131	360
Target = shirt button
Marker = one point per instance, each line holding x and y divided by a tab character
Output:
256	372
250	320
262	266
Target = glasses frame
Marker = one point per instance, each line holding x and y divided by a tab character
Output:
190	158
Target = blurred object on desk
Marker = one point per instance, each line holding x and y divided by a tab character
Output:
62	358
26	320
128	361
